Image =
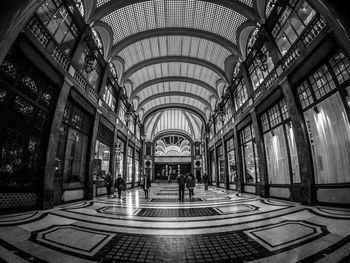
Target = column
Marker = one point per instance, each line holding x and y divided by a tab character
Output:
239	161
304	154
52	145
225	163
89	185
216	166
14	15
262	186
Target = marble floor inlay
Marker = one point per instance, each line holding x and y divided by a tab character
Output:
215	226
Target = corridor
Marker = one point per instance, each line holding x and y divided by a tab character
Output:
216	226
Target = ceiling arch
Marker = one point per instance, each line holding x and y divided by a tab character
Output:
172	46
172	93
174	79
242	6
175	31
106	34
148	114
175	120
138	16
170	59
173	69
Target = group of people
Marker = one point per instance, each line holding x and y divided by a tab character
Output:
119	185
183	181
189	182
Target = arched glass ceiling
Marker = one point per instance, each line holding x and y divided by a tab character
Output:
102	2
174	100
174	120
154	14
178	69
185	46
174	87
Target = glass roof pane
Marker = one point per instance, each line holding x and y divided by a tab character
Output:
174	87
175	69
174	99
174	119
189	14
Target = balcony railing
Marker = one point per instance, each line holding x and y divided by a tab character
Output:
314	29
310	33
48	42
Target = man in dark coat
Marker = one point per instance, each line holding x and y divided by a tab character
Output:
119	185
205	180
109	184
181	180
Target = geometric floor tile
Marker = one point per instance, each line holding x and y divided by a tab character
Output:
286	234
178	212
72	239
169	200
218	247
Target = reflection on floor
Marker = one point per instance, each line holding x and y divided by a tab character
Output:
216	226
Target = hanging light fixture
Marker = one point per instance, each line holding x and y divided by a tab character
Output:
90	58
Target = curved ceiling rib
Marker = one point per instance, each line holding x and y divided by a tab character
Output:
175	31
189	123
173	69
174	79
170	59
168	106
172	46
174	93
197	14
240	7
176	54
174	120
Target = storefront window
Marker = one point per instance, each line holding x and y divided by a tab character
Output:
129	164
329	135
129	175
75	159
102	159
231	160
73	147
327	121
137	166
249	152
277	156
278	138
221	163
119	167
293	154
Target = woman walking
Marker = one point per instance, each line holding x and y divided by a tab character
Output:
191	183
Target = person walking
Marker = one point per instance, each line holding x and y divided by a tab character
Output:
146	185
142	182
190	183
169	178
109	184
205	180
181	180
119	185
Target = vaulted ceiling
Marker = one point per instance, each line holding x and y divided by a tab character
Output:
174	57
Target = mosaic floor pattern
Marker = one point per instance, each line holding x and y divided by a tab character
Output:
216	226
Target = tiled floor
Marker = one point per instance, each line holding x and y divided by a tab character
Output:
216	226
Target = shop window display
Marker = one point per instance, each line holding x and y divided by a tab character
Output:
249	152
327	120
